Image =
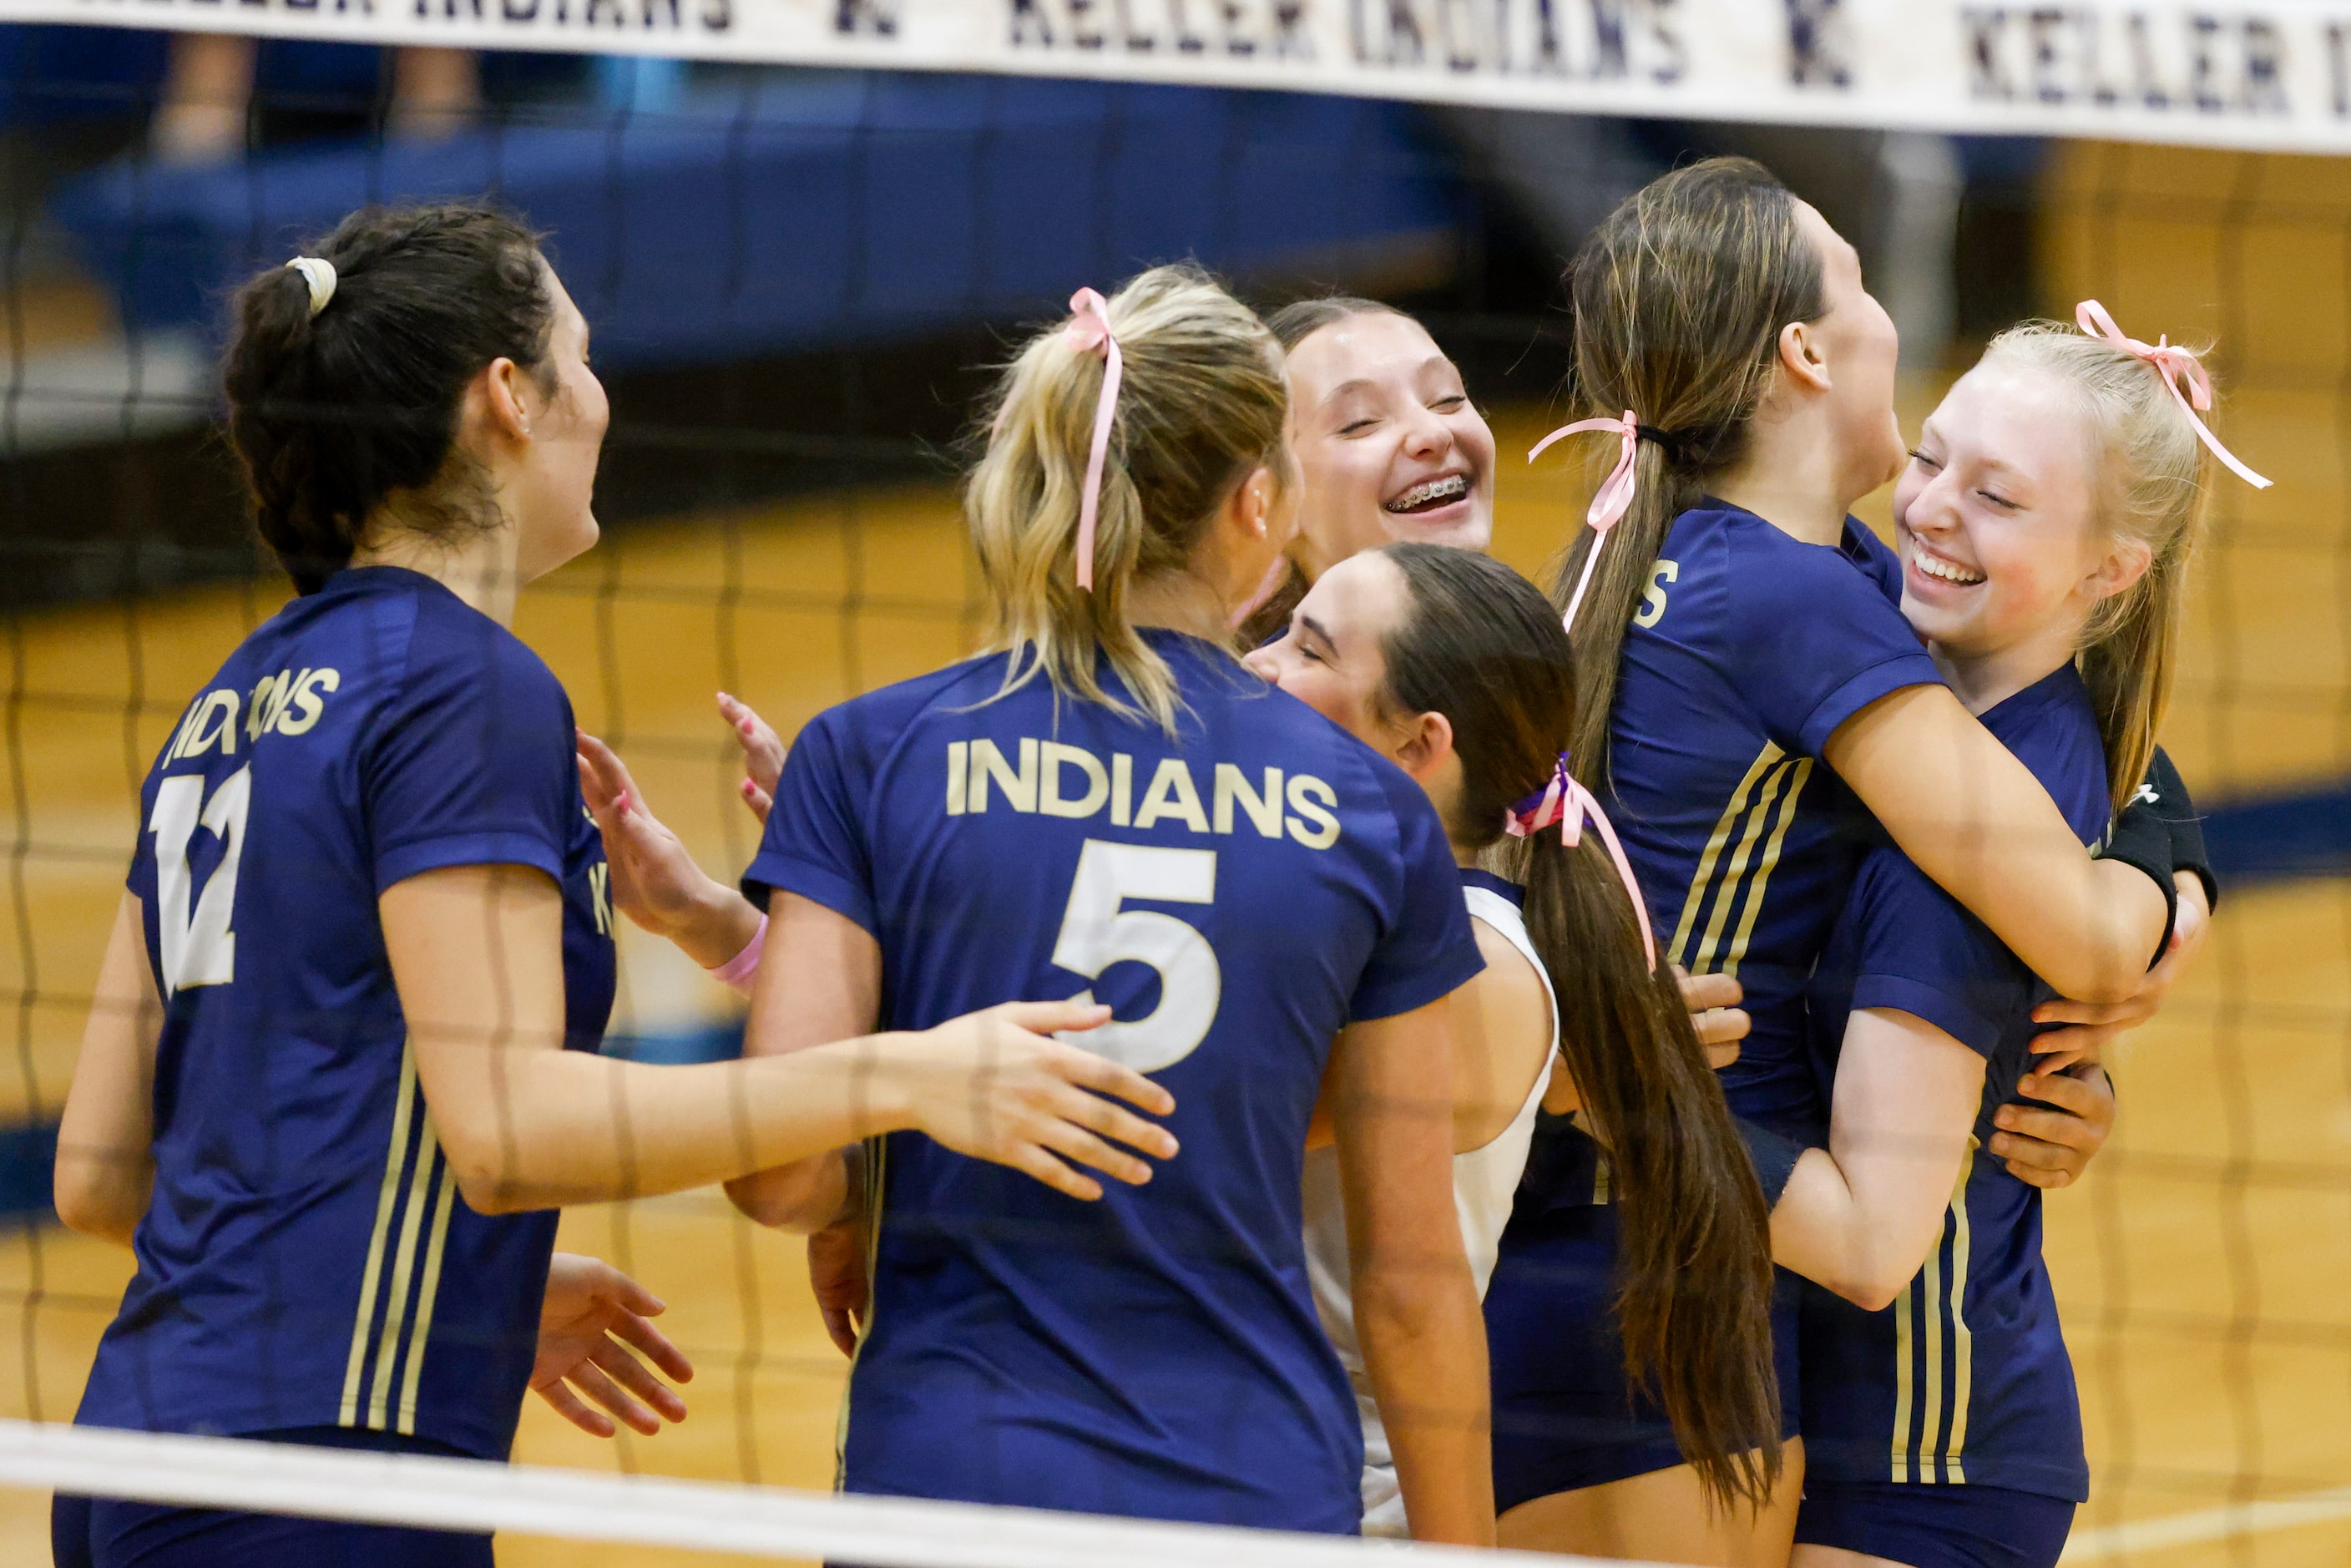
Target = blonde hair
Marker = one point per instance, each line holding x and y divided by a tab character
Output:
1201	405
2147	471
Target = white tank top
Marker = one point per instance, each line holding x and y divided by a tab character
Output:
1484	1182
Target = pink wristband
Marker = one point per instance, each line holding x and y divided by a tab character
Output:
737	971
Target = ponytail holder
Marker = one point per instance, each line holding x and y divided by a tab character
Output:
1568	803
1615	496
320	275
1089	333
2175	365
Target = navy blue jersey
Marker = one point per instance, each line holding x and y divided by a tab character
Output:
307	1260
1239	896
1748	650
1965	1378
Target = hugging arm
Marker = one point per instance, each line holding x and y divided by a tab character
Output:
1973	818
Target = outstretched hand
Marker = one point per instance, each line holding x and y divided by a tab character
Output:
763	754
995	1085
653	879
590	1317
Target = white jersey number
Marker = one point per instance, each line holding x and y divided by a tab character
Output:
199	949
1096	933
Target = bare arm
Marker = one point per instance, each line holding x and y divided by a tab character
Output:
830	968
1861	1215
1416	1305
106	1163
476	953
1501	1040
1974	818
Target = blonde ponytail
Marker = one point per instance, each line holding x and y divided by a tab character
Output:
1200	406
2149	470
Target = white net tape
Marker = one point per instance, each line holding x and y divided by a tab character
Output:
779	1522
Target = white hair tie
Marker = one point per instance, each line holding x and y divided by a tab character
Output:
319	273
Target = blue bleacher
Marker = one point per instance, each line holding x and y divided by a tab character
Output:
801	211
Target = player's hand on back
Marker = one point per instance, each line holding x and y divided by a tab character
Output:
2091	1027
763	754
590	1316
2049	1144
996	1086
838	1277
1713	1003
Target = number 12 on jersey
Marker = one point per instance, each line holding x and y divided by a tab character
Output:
198	948
1096	933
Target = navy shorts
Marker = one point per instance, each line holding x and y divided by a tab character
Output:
1936	1526
1563	1418
108	1532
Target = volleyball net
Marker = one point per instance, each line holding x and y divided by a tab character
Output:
802	231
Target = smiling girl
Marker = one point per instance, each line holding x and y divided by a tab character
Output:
1388	445
2045	524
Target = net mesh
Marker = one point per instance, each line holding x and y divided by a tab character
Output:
796	279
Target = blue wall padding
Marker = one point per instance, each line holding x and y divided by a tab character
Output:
2294	835
27	1154
824	211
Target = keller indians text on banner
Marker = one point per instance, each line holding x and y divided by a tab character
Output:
2269	75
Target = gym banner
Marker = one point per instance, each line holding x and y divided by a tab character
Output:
2261	73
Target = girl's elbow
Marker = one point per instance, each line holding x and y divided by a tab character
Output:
1871	1295
89	1209
487	1182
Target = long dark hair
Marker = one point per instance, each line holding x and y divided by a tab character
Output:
1481	646
1679	298
331	412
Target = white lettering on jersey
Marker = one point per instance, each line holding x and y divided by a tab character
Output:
198	948
1172	794
1653	597
1052	756
296	709
1304	790
200	730
1097	933
288	703
1264	810
1056	779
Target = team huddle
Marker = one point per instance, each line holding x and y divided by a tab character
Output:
1310	1030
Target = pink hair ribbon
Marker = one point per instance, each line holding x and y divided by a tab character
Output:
2175	365
1613	499
1570	804
1089	333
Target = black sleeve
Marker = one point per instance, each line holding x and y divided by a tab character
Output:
2172	803
2142	837
1775	1156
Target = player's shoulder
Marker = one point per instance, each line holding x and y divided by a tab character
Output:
969	689
2051	726
456	655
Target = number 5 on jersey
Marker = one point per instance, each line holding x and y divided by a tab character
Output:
199	948
1097	933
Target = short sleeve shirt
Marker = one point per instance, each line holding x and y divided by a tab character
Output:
307	1260
1238	892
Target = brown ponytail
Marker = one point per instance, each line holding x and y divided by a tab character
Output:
1679	298
1481	646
